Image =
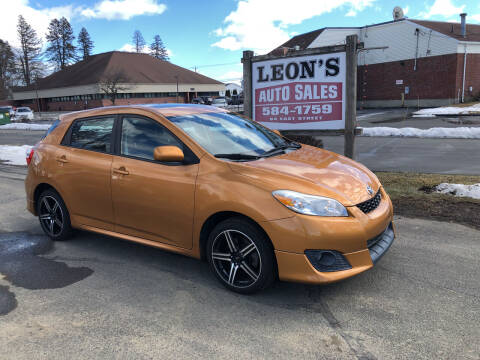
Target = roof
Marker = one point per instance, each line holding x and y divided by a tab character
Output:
302	40
136	69
451	29
447	28
167	109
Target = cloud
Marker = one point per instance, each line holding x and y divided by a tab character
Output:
39	18
475	17
123	9
261	25
444	8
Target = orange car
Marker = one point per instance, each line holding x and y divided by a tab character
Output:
199	181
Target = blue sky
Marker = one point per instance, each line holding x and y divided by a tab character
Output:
205	33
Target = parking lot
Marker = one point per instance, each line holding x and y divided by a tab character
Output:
100	297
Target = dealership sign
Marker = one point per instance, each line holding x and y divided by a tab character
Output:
300	93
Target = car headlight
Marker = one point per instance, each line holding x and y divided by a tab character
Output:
310	204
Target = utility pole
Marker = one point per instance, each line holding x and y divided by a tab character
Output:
176	78
247	83
351	96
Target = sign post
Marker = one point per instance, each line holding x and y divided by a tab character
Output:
308	92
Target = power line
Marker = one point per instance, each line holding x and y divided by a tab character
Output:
212	65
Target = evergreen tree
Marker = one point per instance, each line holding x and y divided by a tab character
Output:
158	49
61	50
7	68
138	41
29	53
85	44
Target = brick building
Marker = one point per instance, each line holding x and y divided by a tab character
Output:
427	63
140	79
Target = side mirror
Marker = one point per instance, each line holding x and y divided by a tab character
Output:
168	154
277	132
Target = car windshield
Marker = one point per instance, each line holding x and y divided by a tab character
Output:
218	101
23	110
222	133
4	109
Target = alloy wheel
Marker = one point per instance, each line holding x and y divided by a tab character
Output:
51	215
236	258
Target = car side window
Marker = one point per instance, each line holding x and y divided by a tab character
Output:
92	134
140	136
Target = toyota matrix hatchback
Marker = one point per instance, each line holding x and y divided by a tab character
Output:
199	181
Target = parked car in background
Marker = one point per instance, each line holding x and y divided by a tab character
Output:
237	100
220	102
207	100
23	114
198	100
199	181
5	117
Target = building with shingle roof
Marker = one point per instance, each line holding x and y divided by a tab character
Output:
422	63
141	78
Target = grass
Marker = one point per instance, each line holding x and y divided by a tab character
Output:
412	196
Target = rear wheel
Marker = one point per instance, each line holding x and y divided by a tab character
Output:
241	256
53	215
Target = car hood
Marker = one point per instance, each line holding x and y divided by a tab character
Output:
312	171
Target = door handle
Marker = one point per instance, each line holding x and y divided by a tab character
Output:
121	170
62	159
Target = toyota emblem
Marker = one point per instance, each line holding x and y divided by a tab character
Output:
369	190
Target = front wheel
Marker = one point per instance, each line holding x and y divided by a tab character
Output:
241	256
53	215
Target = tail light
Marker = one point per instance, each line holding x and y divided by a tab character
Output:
29	154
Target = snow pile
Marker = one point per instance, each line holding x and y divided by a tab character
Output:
14	155
472	191
23	126
452	133
450	110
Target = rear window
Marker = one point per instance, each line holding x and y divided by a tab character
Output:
92	134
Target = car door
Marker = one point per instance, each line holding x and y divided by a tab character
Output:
84	162
152	200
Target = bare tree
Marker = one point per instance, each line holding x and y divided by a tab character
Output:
112	83
138	41
29	53
85	44
158	49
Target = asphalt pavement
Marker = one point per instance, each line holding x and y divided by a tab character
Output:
100	297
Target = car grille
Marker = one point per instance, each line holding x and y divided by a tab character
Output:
370	204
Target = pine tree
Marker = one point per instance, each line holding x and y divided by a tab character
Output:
158	49
138	41
85	44
30	48
7	68
61	50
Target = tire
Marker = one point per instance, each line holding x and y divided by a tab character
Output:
240	256
54	216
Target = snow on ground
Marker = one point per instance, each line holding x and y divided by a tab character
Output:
24	126
14	155
449	110
472	191
453	133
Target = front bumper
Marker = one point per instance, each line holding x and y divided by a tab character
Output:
297	267
361	239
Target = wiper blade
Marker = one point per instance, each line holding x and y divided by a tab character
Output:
237	156
282	148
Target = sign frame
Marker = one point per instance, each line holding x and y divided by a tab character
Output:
350	92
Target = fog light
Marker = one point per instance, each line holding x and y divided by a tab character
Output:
327	260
